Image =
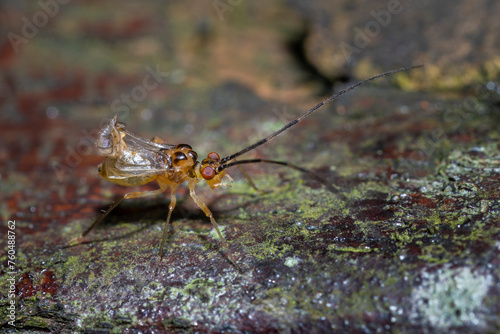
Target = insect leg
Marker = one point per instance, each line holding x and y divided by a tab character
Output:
101	217
209	214
249	179
173	200
114	205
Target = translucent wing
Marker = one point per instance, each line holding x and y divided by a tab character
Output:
129	155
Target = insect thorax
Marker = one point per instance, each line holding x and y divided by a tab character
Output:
182	158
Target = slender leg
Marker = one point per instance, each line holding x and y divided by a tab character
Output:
101	217
114	205
249	179
209	214
173	200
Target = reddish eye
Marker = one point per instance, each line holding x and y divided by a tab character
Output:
214	156
208	173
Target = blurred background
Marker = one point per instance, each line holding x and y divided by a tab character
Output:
220	75
215	74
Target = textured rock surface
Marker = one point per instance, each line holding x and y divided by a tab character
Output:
413	247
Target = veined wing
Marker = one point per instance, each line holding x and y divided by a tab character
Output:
137	164
137	143
113	139
131	155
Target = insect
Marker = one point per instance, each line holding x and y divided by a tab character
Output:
133	161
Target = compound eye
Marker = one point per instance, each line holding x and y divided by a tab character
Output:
208	173
214	156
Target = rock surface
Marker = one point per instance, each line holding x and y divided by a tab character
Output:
410	244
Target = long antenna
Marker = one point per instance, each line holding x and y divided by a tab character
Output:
313	109
287	164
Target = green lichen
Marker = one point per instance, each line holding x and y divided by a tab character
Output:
36	322
215	235
339	248
451	298
292	261
202	289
